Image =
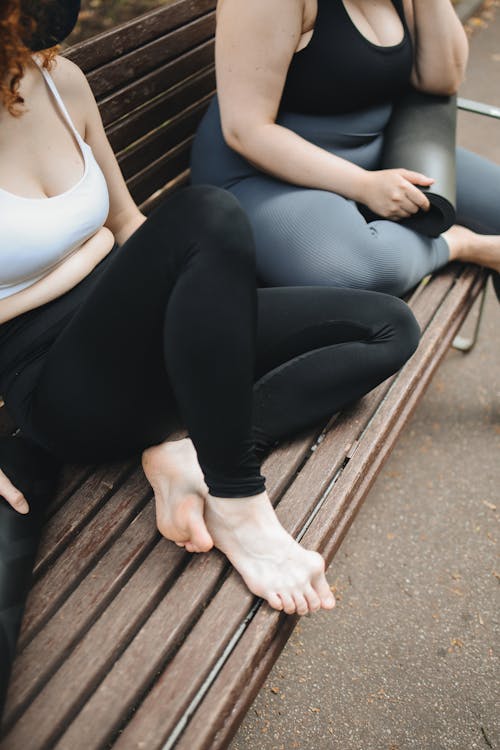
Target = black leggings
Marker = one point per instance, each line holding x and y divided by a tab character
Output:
174	333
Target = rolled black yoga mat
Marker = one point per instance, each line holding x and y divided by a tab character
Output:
421	136
35	473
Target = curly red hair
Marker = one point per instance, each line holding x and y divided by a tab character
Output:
15	55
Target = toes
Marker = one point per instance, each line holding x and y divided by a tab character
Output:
197	529
288	604
301	606
190	547
180	544
274	601
323	590
312	599
320	585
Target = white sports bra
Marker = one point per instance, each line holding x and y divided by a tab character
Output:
39	233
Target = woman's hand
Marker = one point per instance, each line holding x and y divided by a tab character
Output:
12	495
391	193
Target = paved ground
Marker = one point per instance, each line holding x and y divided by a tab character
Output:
407	661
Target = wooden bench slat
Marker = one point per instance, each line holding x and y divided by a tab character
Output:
45	653
94	655
156	175
70	480
152	149
115	43
117	695
83	504
129	130
126	100
49	592
125	70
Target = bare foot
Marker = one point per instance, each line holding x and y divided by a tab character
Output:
483	249
173	471
272	564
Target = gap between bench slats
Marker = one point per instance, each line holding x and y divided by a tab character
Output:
115	43
238	682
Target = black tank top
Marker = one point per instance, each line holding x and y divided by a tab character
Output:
340	70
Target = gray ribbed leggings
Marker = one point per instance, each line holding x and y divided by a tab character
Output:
314	237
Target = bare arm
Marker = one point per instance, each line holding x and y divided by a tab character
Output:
61	279
255	43
441	47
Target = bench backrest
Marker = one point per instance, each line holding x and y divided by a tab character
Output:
153	78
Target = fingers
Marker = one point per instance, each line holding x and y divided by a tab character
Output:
12	495
417	199
416	178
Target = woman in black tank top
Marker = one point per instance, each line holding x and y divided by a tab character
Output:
305	91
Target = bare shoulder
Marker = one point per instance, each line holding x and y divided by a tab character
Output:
69	78
75	91
278	10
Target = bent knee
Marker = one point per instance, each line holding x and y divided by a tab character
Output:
406	331
207	220
218	214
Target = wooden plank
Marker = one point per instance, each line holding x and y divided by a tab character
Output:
154	200
162	108
45	653
164	169
94	655
143	90
112	44
71	517
166	628
124	70
53	588
152	149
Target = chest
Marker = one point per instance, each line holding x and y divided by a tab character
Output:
40	154
360	54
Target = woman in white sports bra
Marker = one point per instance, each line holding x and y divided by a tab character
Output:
117	331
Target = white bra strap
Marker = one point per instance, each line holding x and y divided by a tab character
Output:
52	86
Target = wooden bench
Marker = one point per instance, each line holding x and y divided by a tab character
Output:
128	641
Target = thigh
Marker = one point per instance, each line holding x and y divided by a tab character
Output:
478	192
104	386
304	236
295	320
